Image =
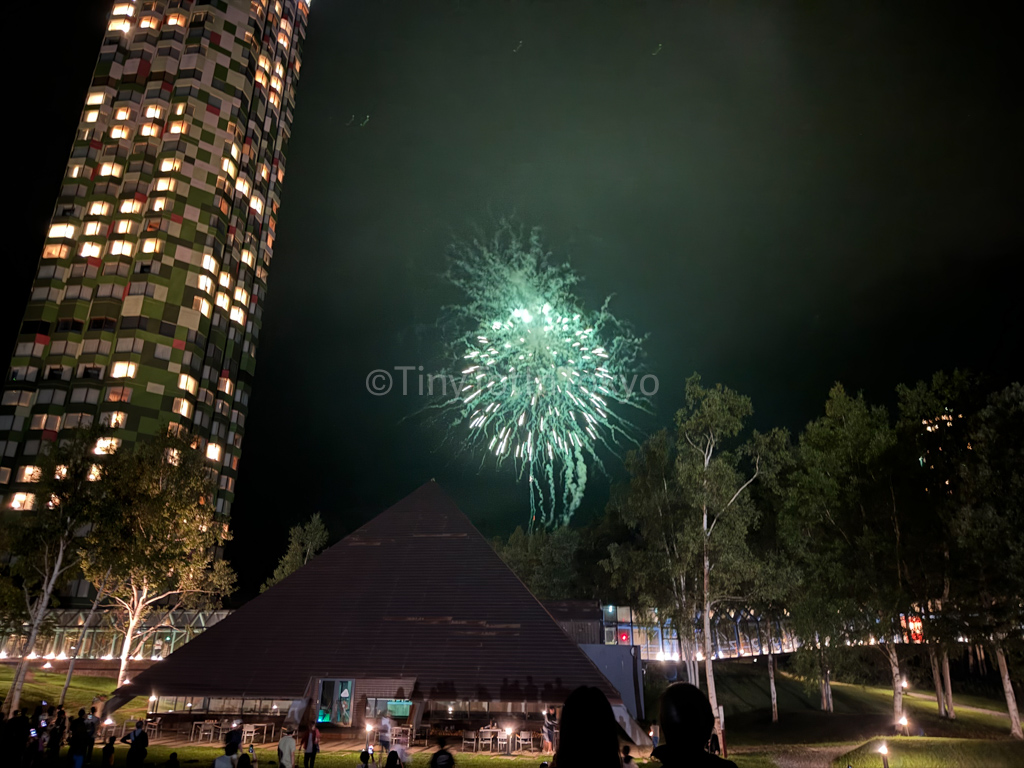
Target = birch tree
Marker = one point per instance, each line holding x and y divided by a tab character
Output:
155	543
715	470
42	540
304	543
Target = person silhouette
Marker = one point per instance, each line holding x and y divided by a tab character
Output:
588	733
686	725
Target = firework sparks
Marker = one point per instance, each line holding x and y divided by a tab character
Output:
542	379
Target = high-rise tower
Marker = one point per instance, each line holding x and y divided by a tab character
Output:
145	311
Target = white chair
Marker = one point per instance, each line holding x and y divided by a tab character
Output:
470	739
503	741
486	740
153	727
524	738
248	733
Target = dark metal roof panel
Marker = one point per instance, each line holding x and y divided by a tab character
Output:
415	594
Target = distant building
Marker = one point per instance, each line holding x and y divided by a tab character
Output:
146	308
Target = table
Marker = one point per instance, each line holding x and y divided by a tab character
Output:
263	727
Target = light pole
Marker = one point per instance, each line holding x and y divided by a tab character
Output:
905	724
884	751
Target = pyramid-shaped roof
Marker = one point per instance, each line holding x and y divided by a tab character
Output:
416	594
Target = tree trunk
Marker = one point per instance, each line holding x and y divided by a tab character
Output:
771	685
897	681
78	647
1011	699
940	696
126	647
13	699
950	711
708	669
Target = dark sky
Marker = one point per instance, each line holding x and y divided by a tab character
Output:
784	196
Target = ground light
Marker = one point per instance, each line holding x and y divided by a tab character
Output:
884	751
369	730
905	724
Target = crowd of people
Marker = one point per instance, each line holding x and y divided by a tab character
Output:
38	740
588	738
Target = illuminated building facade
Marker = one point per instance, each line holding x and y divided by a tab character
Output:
146	308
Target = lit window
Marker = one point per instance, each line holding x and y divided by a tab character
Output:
175	20
179	126
261	77
229	167
119	25
23	501
114	419
282	39
279	69
92	228
149	22
62	230
214	452
223	301
241	295
124	227
27	474
243	186
202	305
225	385
236	153
206	283
111	169
164	184
75	171
256	204
130	205
210	263
99	209
92	116
149	129
90	250
94	473
95	99
106	445
120	132
159	203
238	315
123	370
274	99
123	9
170	164
124	113
264	63
151	246
173	455
225	279
275	83
55	252
179	109
121	248
182	407
264	172
247	258
188	383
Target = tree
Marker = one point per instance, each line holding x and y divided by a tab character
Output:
154	545
715	473
990	527
658	567
544	560
304	543
845	513
42	540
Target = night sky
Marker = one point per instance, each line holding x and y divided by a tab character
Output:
784	196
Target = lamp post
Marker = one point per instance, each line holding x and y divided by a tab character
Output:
508	738
369	730
905	725
884	751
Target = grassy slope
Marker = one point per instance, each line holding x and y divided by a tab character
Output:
45	686
937	753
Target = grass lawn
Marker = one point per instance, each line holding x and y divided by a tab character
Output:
46	686
936	753
204	756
